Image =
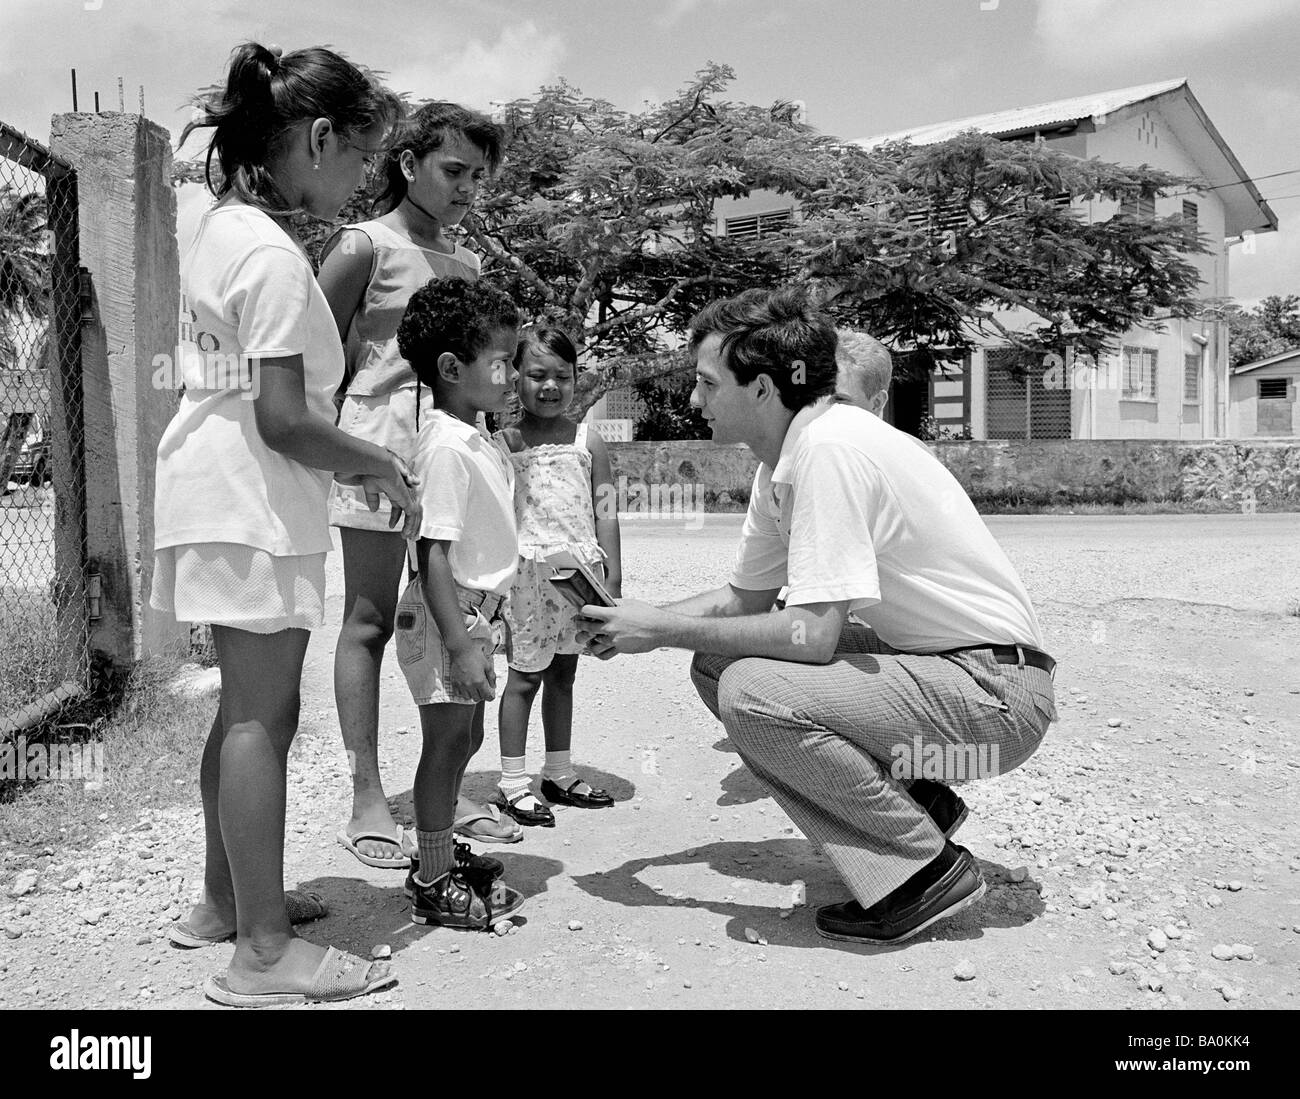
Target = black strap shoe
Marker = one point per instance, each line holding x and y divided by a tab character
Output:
940	889
540	815
597	799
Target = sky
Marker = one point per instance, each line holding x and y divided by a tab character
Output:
863	67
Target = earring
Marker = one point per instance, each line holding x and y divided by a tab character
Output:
316	167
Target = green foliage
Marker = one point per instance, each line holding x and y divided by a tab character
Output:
667	411
24	261
1269	329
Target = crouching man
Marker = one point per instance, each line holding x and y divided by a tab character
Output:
857	731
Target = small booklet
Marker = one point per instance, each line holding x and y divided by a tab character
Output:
577	583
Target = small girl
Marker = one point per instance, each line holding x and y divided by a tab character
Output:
564	500
460	339
432	173
242	482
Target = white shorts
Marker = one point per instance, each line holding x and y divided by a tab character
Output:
227	584
387	421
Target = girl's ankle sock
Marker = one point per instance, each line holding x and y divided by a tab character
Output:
514	779
436	854
559	768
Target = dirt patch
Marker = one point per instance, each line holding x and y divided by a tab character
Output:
1156	827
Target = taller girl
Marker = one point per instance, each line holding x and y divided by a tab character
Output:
241	519
370	270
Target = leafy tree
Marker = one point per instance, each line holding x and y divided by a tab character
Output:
1269	329
603	220
667	411
24	263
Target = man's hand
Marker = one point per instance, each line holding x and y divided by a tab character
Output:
631	627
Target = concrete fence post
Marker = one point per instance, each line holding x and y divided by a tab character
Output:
127	215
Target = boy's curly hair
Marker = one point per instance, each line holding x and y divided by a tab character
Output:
451	315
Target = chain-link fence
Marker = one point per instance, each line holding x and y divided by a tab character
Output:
43	599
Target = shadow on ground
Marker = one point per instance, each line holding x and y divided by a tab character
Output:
782	862
363	914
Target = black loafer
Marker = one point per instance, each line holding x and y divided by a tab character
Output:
944	807
944	887
597	799
541	817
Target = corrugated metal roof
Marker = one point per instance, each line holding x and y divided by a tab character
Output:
1020	119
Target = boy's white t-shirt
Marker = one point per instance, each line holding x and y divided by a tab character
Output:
854	511
467	489
247	292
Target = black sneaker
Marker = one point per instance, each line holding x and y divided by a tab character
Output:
944	887
943	806
457	900
481	868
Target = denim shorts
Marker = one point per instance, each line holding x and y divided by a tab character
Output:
424	659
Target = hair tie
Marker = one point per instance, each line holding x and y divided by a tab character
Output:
275	51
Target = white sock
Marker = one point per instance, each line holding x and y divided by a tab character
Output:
514	778
559	768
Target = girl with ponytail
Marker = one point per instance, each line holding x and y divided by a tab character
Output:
242	483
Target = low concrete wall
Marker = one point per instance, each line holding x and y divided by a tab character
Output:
1215	474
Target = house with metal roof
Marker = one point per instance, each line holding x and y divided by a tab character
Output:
1167	384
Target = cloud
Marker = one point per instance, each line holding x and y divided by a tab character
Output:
521	60
1087	32
677	10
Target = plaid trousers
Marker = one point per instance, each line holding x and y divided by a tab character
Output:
838	744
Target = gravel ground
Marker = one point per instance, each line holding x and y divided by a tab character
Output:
1146	857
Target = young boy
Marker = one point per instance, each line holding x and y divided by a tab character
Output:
460	340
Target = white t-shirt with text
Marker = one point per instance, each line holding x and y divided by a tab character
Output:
247	292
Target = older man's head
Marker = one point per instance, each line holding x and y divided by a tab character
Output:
865	369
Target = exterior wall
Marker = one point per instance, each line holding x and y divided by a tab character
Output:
1141	135
1282	418
756	202
1213	474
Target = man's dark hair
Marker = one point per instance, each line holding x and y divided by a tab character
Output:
451	315
780	333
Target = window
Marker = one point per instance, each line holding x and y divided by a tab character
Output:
1272	389
1191	378
759	225
1139	374
1142	207
1191	216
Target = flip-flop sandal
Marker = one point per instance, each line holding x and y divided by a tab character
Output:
302	906
489	812
396	838
338	977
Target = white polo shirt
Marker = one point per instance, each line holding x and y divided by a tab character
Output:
467	489
855	511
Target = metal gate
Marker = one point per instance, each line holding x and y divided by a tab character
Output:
1018	404
44	639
